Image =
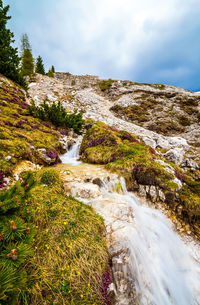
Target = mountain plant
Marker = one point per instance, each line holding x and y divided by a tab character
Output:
9	59
56	114
40	66
27	61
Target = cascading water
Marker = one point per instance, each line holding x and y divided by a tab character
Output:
156	262
71	157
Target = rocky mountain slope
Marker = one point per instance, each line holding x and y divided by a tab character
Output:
156	114
171	113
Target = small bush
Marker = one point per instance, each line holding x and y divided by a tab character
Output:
105	84
56	114
183	120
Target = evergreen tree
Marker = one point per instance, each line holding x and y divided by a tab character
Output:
40	66
53	69
27	61
50	73
9	59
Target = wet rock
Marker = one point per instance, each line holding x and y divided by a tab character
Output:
152	193
64	144
175	155
98	182
85	191
142	191
70	142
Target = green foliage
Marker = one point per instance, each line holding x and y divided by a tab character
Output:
9	59
16	238
51	71
105	84
40	66
56	114
27	61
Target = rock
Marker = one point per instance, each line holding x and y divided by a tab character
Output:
98	182
71	133
86	191
190	163
175	155
161	195
150	142
8	158
152	193
70	142
63	144
142	191
43	158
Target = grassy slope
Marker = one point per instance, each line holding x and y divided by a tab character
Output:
122	152
18	130
65	260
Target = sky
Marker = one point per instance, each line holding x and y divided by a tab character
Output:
151	41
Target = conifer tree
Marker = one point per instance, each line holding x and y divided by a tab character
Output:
9	59
53	69
40	66
50	73
27	61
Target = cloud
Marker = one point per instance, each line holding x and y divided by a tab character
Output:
146	40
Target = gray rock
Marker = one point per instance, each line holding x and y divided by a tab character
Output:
190	163
150	142
175	155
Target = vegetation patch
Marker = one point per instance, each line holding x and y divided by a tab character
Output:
105	84
125	154
21	134
52	246
57	115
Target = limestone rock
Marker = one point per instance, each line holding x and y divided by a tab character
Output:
190	164
175	155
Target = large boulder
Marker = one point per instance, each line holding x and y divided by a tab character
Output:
175	155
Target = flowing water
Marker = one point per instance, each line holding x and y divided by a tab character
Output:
156	261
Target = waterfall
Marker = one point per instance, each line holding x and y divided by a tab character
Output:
71	157
157	263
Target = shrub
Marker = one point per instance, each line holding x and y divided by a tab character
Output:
56	114
105	84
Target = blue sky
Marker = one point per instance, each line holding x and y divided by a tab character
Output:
156	41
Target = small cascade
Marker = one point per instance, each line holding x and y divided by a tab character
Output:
151	264
71	157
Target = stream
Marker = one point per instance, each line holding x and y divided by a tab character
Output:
151	264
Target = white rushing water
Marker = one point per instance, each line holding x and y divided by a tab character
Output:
161	268
71	157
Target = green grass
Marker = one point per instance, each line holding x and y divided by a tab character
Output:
125	154
19	131
66	259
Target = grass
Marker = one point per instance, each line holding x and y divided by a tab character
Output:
125	154
20	132
67	261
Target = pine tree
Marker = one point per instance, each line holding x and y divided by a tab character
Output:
27	61
9	59
40	66
53	69
50	73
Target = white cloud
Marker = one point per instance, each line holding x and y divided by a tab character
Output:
114	38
